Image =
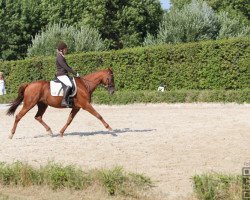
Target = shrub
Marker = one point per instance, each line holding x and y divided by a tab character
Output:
59	176
231	27
78	40
116	181
19	174
194	22
178	96
211	65
217	187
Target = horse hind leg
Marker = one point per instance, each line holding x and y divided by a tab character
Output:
19	116
41	110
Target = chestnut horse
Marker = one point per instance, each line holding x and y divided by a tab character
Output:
38	93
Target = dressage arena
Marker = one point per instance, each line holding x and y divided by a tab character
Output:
167	142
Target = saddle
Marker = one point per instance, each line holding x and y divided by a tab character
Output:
57	89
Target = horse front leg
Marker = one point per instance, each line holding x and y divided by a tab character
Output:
72	114
91	110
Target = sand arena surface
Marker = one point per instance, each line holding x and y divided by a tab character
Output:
168	142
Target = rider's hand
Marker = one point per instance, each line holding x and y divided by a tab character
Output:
77	75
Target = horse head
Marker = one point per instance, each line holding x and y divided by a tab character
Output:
108	80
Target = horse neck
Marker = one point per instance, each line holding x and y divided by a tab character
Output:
92	81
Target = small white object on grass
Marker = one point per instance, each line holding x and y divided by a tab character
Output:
161	88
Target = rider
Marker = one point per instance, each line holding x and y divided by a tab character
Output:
62	71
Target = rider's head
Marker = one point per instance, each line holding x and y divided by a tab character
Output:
62	47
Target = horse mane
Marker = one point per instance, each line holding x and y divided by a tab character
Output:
94	73
87	78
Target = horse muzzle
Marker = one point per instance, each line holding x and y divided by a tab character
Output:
111	90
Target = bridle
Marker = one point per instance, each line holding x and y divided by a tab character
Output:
107	86
110	82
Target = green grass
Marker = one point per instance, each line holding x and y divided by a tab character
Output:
56	176
218	187
7	98
177	96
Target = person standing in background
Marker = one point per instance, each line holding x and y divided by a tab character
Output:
2	84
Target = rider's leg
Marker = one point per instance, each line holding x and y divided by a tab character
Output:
66	96
65	80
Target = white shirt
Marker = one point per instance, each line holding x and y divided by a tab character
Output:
2	87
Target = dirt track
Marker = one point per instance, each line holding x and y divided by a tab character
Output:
169	143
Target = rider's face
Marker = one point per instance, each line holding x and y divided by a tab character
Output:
64	51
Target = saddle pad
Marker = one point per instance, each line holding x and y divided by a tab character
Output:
56	89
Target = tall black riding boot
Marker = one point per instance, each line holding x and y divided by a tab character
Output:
65	96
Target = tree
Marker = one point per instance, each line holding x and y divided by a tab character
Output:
178	4
236	8
231	27
11	25
62	11
123	23
77	39
239	9
195	21
19	21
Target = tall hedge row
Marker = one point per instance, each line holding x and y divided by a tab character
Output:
222	64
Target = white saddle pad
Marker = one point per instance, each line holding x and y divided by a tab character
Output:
56	89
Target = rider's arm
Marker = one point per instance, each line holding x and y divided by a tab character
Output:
62	62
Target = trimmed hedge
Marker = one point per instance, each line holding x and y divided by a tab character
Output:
177	96
207	65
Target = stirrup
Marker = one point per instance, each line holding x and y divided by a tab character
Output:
64	104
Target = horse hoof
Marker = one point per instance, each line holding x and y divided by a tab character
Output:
61	134
110	129
50	132
11	136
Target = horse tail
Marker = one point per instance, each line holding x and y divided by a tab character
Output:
14	104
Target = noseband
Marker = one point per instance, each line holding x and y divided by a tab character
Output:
110	84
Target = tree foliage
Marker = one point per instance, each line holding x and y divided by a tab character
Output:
236	8
19	21
68	12
124	23
178	4
120	23
83	39
197	21
231	27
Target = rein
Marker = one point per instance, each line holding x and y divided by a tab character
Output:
88	83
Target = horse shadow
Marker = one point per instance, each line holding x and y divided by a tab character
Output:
114	133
